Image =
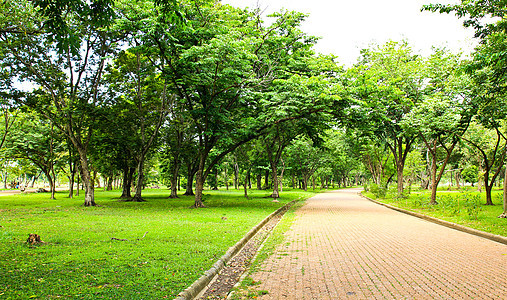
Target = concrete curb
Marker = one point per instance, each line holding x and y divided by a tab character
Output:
200	284
487	235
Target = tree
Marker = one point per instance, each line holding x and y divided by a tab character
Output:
141	97
275	141
477	14
37	141
438	124
61	48
487	67
388	83
342	157
218	65
413	167
305	158
470	174
443	116
492	149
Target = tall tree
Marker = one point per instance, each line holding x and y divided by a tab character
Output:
61	47
388	83
305	158
142	99
36	140
217	64
488	19
443	117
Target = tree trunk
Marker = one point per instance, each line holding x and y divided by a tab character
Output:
280	181
489	200
190	182
479	179
191	171
266	180
457	179
174	187
433	200
128	174
72	175
175	169
95	179
51	182
32	183
245	183
236	176
139	183
226	178
399	173
488	186
504	214
109	183
78	182
87	180
215	184
199	187
305	183
259	181
274	178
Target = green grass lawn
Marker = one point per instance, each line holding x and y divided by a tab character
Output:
465	208
169	245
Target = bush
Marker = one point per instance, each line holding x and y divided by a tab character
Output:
469	203
470	174
472	205
378	191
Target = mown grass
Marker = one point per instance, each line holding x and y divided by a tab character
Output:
466	208
168	245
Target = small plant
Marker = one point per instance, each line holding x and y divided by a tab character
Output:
450	204
420	200
378	190
472	204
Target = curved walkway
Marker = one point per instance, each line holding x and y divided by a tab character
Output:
342	246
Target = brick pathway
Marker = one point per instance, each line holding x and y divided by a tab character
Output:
344	247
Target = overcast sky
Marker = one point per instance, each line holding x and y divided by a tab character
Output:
345	27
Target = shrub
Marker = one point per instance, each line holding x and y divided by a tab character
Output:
378	190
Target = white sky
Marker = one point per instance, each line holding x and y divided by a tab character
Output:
346	26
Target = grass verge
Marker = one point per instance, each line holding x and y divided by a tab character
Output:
246	288
166	246
464	208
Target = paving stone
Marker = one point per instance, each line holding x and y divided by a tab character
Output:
342	246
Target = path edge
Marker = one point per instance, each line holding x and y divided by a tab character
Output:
200	284
479	233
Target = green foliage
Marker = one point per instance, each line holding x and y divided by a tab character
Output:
470	174
379	191
477	14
